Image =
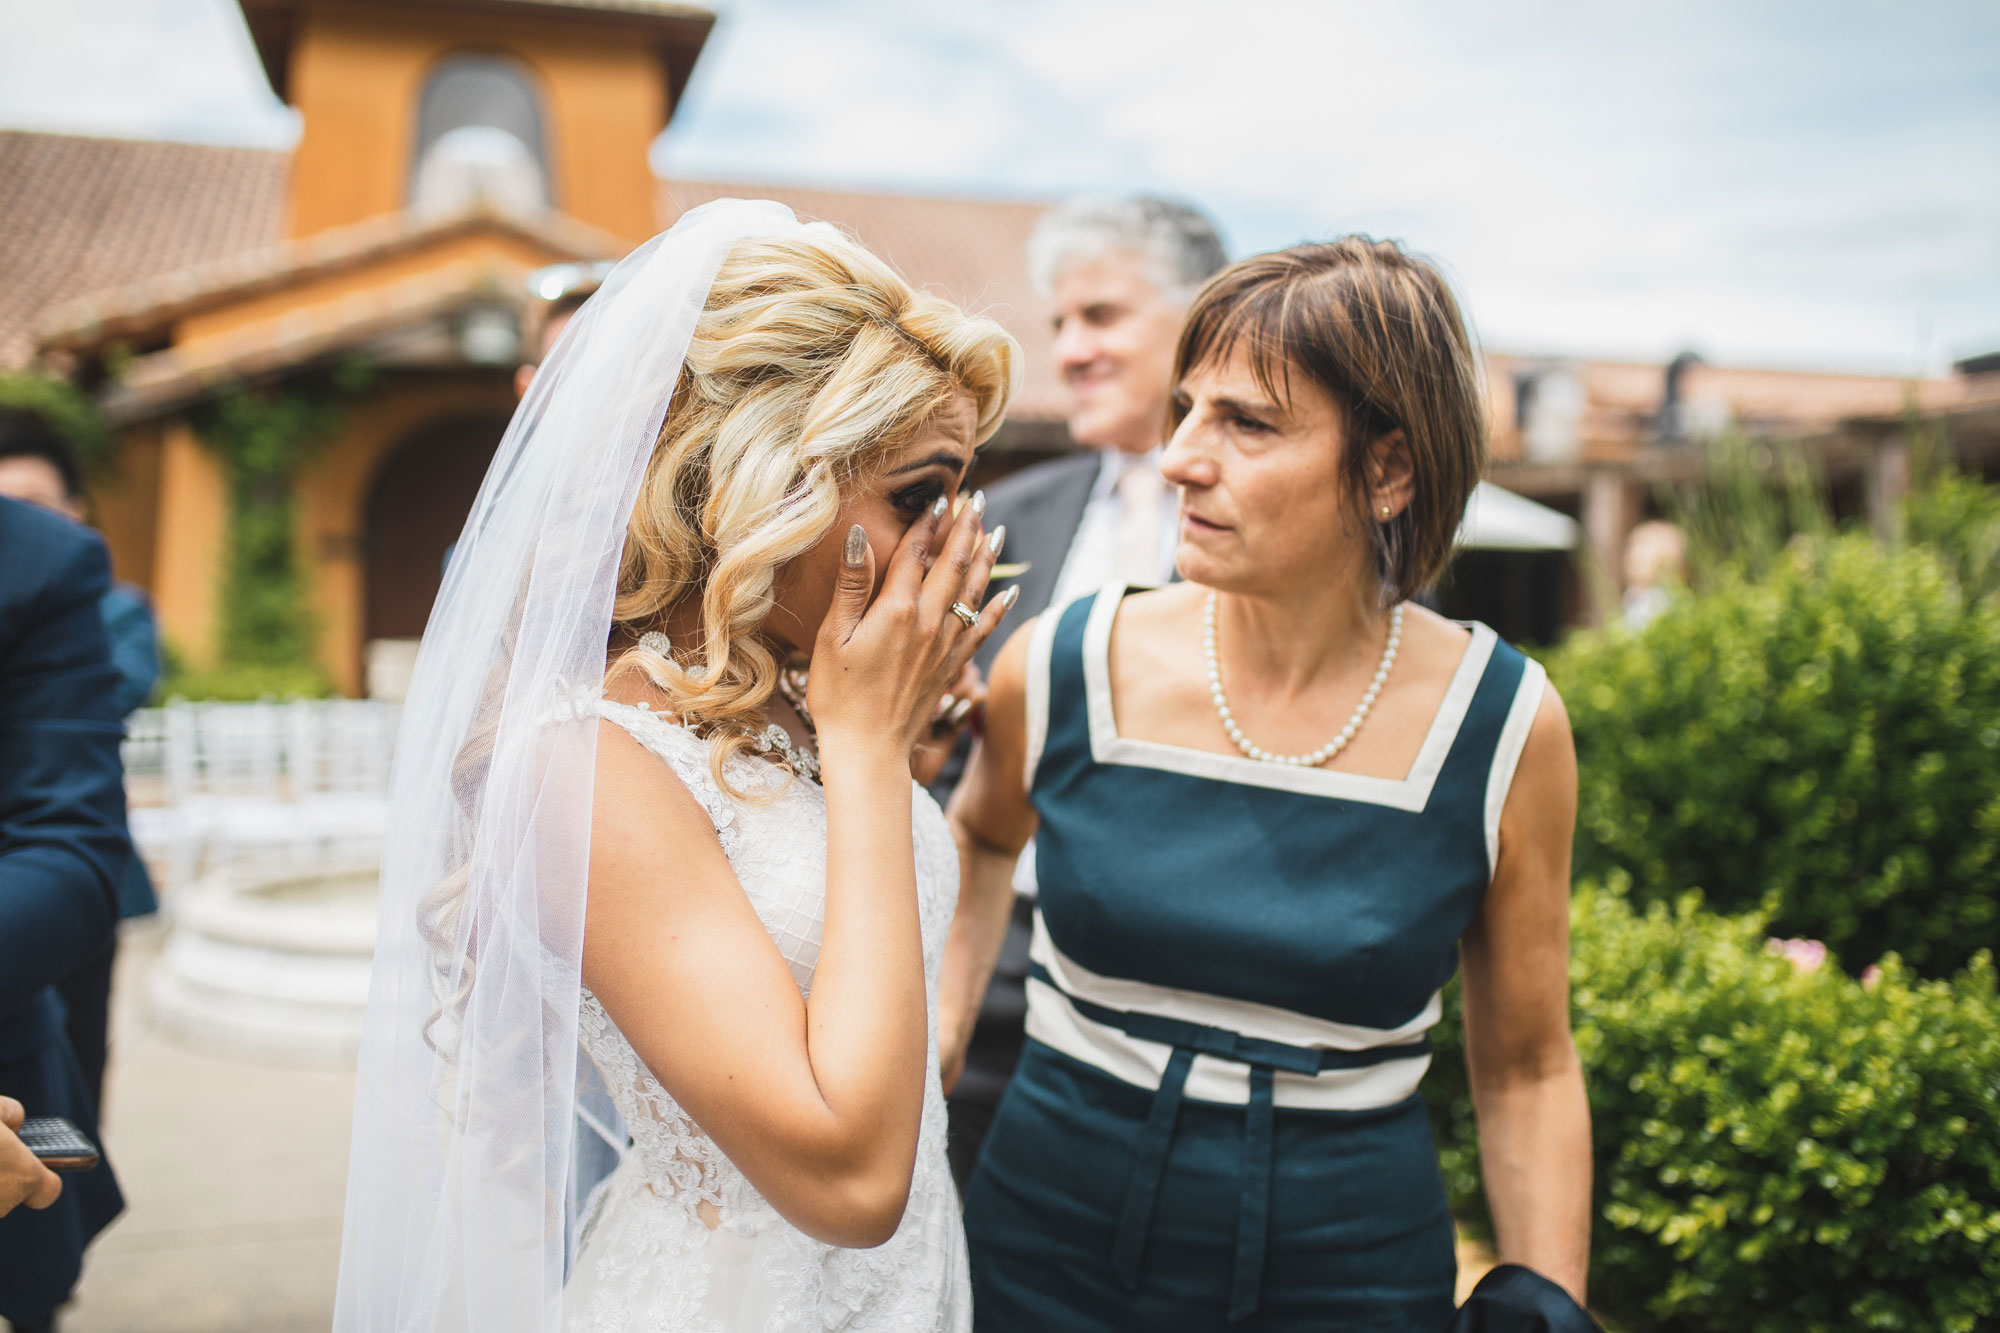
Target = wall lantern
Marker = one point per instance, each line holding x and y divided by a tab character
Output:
489	335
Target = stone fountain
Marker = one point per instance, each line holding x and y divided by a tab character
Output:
270	961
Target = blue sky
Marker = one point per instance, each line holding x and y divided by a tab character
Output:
1793	184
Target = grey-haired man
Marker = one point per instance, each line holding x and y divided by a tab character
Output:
1120	273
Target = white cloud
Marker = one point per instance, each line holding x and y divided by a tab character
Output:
1773	183
168	69
1779	181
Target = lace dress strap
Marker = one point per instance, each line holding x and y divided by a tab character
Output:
687	755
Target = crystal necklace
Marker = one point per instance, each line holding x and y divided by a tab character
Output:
773	740
1324	752
776	740
792	684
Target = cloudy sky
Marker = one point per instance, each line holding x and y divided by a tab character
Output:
1808	183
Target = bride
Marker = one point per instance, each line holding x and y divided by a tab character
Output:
621	828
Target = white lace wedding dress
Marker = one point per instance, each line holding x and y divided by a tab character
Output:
676	1239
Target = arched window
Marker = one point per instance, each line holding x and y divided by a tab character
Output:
479	137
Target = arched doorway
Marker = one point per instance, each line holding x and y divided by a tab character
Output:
416	509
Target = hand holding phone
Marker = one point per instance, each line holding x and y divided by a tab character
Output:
23	1177
60	1145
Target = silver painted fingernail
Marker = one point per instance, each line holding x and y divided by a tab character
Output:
978	503
958	713
993	543
944	705
857	545
1009	597
943	502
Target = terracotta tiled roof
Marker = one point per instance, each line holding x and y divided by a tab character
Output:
170	378
1764	397
1623	399
78	215
970	250
157	301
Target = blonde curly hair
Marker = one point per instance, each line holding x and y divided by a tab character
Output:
812	361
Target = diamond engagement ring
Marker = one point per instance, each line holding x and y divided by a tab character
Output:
965	613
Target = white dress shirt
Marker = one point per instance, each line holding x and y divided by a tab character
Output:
1093	553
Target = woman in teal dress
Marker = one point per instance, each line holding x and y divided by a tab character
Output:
1274	806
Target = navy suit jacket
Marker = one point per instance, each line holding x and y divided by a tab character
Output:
63	850
1042	507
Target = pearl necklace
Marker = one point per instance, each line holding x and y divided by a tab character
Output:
1324	752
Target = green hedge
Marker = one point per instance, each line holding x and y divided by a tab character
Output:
68	410
1958	517
1827	734
1775	1150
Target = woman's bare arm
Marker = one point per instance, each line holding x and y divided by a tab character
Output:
818	1102
991	821
675	952
1527	1085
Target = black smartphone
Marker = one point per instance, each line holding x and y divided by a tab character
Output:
60	1145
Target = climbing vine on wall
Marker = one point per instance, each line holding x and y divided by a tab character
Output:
263	437
65	408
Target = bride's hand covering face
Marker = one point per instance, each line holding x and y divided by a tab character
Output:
885	671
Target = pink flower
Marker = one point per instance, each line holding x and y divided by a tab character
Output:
1871	976
1805	955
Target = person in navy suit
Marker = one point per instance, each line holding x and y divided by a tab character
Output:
38	465
63	852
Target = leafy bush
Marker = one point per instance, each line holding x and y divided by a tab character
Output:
1958	517
1754	499
1824	738
1776	1150
68	410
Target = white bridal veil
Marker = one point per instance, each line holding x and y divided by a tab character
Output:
465	1112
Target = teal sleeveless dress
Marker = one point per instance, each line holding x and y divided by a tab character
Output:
1216	1121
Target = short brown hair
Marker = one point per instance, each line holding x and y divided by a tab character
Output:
1379	330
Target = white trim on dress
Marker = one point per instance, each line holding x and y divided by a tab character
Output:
1251	1019
1411	793
1055	1022
1507	754
1041	647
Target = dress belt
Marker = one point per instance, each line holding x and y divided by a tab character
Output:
1253	1215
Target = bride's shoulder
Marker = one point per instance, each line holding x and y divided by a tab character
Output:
654	771
646	723
653	735
656	730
